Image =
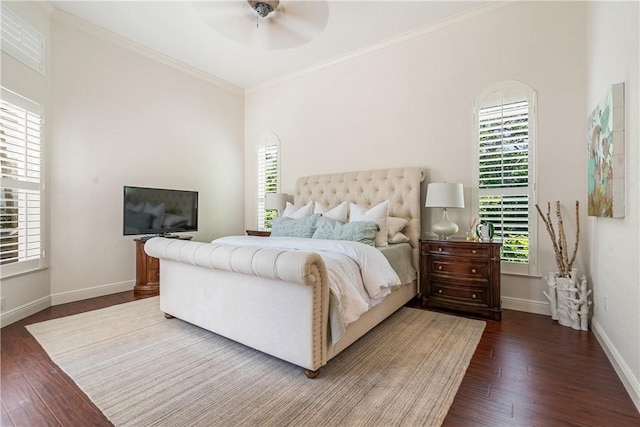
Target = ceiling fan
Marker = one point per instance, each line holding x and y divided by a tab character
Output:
268	24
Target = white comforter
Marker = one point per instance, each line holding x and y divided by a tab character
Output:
359	274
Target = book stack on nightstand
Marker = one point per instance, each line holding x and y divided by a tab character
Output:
461	275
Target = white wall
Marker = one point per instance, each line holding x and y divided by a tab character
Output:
410	104
121	118
613	57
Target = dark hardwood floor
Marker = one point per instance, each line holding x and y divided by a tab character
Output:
526	371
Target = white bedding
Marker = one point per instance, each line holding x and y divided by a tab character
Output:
360	276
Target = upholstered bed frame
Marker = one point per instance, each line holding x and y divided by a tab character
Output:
278	302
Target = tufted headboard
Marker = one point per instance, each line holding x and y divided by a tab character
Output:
400	186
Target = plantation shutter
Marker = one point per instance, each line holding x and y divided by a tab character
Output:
21	207
22	41
268	175
503	176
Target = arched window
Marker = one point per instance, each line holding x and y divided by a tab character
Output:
268	176
504	178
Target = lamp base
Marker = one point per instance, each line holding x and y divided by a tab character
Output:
445	228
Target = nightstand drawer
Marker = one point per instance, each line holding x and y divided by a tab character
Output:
461	250
461	294
451	266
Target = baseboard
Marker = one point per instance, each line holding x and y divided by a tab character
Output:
631	384
529	306
26	310
96	291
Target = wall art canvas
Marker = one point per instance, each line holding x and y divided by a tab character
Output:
605	133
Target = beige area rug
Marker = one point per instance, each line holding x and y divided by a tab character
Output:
141	369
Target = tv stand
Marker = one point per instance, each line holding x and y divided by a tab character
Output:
148	268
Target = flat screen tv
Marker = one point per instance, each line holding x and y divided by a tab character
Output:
158	211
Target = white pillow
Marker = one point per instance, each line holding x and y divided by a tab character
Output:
134	208
295	213
396	225
399	238
157	212
379	214
339	213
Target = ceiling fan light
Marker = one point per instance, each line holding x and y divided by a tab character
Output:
263	8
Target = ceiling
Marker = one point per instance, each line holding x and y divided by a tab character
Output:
177	29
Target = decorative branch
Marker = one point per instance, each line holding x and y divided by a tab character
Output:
559	242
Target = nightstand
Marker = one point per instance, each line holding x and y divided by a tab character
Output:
260	233
461	275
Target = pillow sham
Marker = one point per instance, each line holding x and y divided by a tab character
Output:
284	226
377	213
356	231
172	220
338	213
395	225
399	237
291	211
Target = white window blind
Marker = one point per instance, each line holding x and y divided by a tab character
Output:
21	199
22	41
268	176
504	174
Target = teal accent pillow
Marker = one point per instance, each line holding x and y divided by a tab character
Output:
357	231
140	221
283	226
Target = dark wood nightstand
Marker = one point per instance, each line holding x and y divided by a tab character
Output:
461	275
260	233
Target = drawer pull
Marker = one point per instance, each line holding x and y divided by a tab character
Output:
474	251
473	296
439	249
473	270
439	267
439	291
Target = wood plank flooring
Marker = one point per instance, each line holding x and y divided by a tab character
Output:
526	371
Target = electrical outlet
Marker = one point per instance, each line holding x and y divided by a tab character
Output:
606	306
3	303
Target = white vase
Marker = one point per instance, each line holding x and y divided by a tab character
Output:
569	301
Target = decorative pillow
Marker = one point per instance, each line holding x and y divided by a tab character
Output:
172	220
395	225
295	213
284	226
378	214
399	238
338	213
157	212
356	231
137	221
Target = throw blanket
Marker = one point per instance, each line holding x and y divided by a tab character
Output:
357	273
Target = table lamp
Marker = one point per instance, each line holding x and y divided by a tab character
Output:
275	201
445	195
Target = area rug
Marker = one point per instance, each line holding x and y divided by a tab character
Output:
141	369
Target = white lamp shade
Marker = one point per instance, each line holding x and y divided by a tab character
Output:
275	201
445	195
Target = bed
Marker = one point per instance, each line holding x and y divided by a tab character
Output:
279	299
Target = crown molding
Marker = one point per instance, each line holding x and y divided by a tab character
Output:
484	9
106	35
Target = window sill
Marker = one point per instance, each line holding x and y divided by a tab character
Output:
13	275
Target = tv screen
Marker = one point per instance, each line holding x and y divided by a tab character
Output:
159	211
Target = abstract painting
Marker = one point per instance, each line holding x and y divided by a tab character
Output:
605	133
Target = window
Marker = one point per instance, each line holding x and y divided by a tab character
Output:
21	195
268	176
22	41
504	176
